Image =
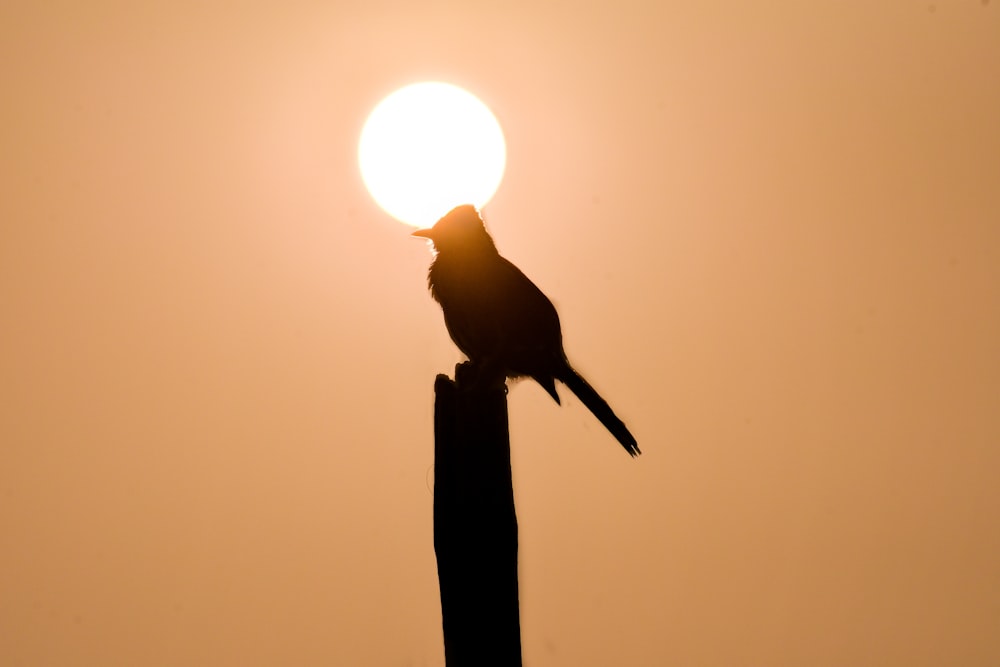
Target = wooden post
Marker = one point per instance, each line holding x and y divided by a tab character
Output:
475	527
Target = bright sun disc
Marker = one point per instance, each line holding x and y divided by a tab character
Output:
429	147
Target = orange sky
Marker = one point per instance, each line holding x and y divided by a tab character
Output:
773	235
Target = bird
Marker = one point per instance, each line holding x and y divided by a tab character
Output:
500	319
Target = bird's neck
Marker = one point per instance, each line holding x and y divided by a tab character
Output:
453	270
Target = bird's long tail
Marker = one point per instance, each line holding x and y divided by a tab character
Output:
600	408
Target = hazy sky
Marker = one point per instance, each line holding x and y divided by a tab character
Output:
772	231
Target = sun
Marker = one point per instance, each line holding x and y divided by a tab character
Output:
429	147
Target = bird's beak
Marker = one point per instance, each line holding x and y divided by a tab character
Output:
423	233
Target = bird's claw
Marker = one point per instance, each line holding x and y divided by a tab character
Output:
480	377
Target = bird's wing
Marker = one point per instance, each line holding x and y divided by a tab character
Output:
527	319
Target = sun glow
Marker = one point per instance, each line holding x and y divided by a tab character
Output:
429	147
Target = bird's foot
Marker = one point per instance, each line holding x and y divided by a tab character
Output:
480	377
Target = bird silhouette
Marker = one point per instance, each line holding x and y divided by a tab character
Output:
499	318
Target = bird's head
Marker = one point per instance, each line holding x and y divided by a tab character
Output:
461	229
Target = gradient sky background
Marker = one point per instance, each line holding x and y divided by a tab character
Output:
773	234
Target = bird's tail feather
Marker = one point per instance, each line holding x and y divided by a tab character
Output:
600	408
